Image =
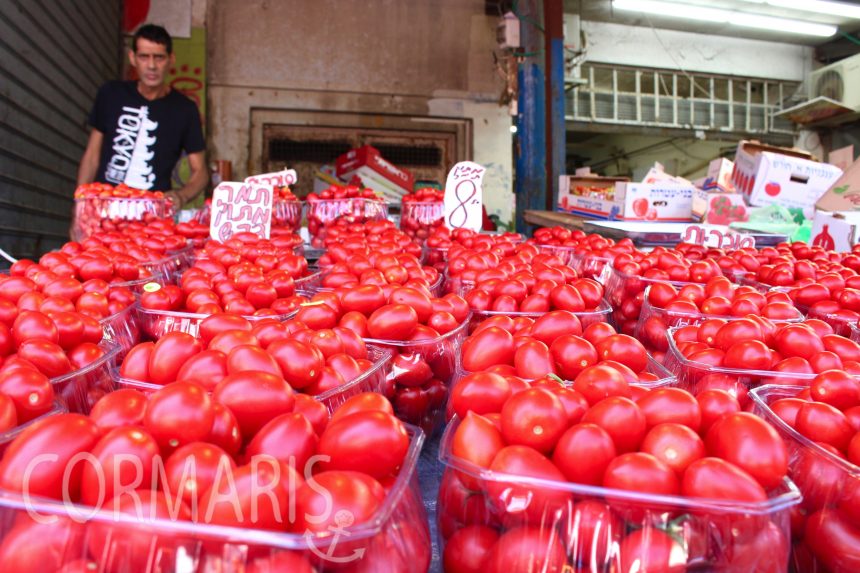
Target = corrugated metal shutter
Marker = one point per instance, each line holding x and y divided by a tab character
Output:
53	58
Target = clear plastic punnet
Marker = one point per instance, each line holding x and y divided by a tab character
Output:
9	435
97	213
156	323
287	215
626	294
420	376
696	377
72	537
830	485
654	322
371	380
535	524
79	390
603	313
854	333
171	267
324	212
418	218
122	329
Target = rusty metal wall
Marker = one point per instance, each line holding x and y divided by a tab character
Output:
53	58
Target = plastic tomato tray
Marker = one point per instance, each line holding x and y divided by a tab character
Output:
672	318
7	437
625	293
822	477
396	538
442	355
323	212
137	285
154	324
854	332
550	509
592	266
91	211
416	217
79	390
603	313
122	329
171	267
696	376
287	215
372	380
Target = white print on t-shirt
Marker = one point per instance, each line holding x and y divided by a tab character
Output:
130	163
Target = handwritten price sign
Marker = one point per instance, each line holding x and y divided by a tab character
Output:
464	196
283	178
717	237
241	208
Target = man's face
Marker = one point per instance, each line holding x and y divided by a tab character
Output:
151	61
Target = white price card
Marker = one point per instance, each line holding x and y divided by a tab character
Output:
718	237
283	178
241	208
464	196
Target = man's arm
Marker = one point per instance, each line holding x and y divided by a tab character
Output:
196	183
90	160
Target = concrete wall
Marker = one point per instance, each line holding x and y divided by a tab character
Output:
415	58
670	49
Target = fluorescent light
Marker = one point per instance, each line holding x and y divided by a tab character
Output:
734	18
841	9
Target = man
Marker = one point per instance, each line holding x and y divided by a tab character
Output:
140	128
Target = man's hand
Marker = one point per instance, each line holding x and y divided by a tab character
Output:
176	198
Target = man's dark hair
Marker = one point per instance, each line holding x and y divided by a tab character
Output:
155	34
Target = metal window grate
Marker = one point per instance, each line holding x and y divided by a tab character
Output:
291	151
408	155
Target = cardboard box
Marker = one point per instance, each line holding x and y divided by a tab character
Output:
719	177
844	195
655	201
719	208
835	231
768	175
571	201
375	172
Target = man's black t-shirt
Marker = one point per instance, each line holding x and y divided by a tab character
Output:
143	139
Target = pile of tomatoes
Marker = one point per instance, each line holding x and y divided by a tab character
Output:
440	242
738	354
341	206
667	306
637	480
103	207
388	270
226	459
365	241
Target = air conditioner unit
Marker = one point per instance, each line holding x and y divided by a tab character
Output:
839	82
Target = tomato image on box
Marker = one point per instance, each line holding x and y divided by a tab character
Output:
791	178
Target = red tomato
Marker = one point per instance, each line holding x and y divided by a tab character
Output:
225	431
833	541
527	549
651	549
111	471
487	348
30	391
670	405
372	442
823	423
715	403
255	398
480	392
837	388
538	502
641	472
583	452
320	505
178	414
57	541
289	438
192	470
392	322
169	354
477	441
675	445
751	444
249	499
600	381
467	550
535	418
572	355
797	340
532	359
64	436
715	478
624	349
622	419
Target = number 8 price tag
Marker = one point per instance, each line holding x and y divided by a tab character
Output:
464	196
